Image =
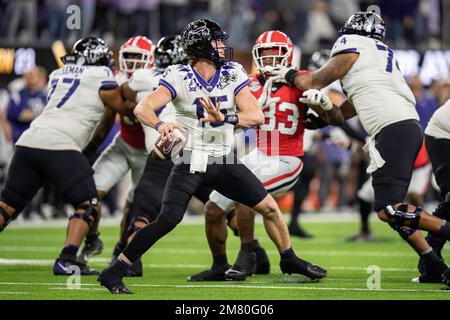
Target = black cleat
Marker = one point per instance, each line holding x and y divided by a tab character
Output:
297	231
262	261
362	236
90	249
244	266
430	273
113	282
446	277
135	270
213	274
65	267
297	265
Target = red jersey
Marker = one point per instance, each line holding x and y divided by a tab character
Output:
422	158
131	129
132	132
282	132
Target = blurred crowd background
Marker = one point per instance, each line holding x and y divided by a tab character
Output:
337	170
310	23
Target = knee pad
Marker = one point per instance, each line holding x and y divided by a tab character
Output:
401	215
90	213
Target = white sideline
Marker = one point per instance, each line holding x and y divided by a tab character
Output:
335	217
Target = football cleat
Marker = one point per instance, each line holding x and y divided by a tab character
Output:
262	261
113	282
135	270
213	274
244	266
361	237
446	277
90	249
64	267
297	231
430	273
297	265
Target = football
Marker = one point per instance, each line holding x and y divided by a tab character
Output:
165	148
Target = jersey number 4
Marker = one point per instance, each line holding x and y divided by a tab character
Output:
283	128
75	83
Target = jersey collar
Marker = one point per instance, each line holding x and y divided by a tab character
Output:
209	86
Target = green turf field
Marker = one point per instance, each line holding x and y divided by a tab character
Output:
26	257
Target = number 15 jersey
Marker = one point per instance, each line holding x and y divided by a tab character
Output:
374	84
187	87
73	108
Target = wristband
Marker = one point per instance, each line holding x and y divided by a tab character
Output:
290	76
159	125
231	119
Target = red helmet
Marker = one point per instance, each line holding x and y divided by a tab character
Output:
136	53
281	50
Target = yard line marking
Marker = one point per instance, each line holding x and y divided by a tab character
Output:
335	253
39	262
299	286
214	286
13	292
48	262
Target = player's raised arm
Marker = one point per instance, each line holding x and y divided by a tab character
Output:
333	70
112	98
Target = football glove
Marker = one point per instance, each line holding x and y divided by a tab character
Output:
285	75
265	99
317	97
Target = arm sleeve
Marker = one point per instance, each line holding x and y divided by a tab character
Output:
345	44
241	79
169	81
13	107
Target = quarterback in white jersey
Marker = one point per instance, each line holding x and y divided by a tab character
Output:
205	94
378	94
50	148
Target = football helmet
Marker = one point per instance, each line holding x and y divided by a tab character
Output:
368	24
318	59
136	53
280	49
196	41
90	51
168	51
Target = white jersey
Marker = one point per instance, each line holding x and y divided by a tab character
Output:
73	108
374	84
143	82
439	125
187	87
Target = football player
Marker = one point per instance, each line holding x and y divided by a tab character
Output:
51	147
127	152
276	161
379	95
205	94
437	141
